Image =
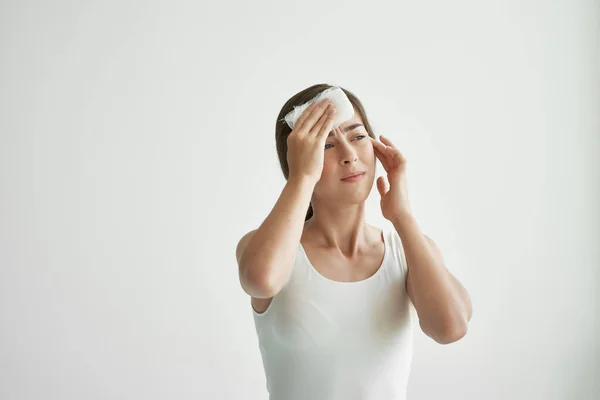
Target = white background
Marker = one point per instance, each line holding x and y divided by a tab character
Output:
137	145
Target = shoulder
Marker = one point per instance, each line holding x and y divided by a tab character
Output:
397	249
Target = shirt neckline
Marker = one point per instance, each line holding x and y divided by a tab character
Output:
351	283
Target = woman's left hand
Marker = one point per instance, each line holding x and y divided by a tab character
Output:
394	200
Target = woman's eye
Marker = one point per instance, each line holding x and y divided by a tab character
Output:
359	136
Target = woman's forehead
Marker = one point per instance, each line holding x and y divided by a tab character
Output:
356	118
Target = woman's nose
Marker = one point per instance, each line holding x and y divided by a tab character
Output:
349	152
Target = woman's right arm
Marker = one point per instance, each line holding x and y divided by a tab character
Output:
266	255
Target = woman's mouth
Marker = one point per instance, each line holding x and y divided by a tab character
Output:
354	178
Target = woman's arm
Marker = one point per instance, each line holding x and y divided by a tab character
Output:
265	256
442	303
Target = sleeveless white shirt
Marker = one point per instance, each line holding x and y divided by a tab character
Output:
322	339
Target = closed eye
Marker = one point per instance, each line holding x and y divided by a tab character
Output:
357	137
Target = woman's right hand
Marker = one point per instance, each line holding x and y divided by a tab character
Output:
306	142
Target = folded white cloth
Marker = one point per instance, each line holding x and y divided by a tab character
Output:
343	107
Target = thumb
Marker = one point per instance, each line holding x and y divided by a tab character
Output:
382	186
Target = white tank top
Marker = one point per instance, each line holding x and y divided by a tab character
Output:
323	339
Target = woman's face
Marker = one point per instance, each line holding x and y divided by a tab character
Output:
348	149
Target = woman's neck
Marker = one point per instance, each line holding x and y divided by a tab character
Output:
349	235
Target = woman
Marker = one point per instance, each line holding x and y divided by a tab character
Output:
331	295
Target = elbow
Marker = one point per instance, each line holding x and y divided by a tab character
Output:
257	285
453	334
446	334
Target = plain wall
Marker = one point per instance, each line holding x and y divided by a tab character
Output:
137	146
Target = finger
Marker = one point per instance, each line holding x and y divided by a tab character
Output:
382	186
305	114
382	153
382	158
323	133
318	126
394	152
377	144
385	162
397	155
386	141
314	115
394	155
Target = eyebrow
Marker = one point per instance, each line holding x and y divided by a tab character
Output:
347	129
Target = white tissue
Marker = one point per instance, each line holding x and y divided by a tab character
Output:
343	107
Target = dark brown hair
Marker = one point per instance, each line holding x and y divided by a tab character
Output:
282	129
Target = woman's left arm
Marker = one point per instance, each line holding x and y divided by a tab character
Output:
442	303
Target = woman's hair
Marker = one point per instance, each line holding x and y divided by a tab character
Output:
282	129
